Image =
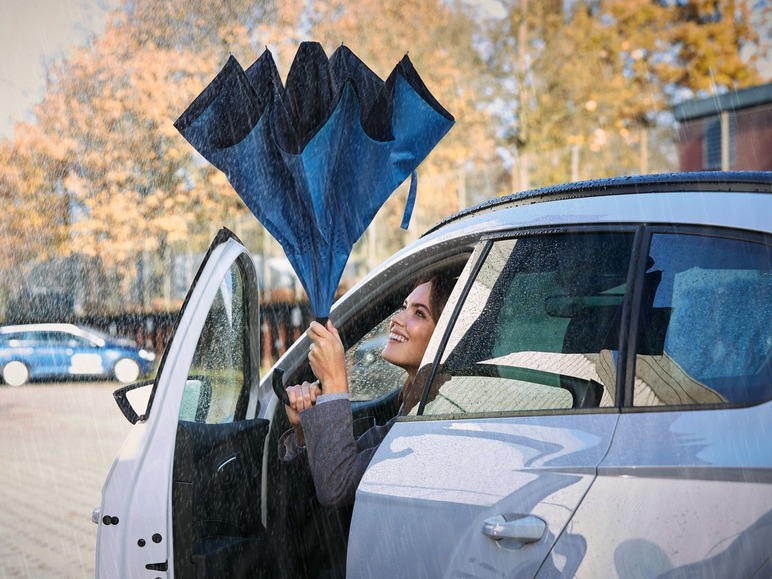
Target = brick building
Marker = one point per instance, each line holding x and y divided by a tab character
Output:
731	132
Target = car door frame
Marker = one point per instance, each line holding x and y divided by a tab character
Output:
135	523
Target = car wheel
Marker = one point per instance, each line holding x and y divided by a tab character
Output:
126	370
15	373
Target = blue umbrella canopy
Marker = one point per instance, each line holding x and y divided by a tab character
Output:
316	158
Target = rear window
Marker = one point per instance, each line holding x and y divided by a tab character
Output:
706	322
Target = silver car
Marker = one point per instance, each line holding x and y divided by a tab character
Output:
597	402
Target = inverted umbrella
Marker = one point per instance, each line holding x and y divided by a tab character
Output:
314	160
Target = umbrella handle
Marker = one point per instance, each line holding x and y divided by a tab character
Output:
278	386
322	320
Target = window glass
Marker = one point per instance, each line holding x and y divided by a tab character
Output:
539	328
370	376
217	375
713	140
78	341
706	322
40	337
17	339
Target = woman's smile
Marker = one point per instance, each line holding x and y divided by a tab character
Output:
397	338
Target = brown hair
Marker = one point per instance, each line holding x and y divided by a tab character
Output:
439	292
441	286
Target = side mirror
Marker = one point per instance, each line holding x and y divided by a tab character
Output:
196	399
125	404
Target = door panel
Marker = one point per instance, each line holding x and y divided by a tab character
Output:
517	413
698	503
218	530
198	431
432	486
686	490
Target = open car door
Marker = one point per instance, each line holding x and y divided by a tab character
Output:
184	497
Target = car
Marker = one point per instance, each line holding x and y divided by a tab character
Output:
597	399
65	351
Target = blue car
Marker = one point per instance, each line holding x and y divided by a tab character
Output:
61	351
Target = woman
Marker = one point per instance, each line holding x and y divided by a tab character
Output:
321	420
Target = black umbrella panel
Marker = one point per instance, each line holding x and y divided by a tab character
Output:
314	160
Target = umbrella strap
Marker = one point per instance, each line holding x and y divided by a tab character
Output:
410	203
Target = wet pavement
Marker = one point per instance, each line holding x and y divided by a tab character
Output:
57	443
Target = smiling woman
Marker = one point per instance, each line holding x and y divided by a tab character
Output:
322	436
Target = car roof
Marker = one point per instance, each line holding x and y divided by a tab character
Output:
699	198
48	327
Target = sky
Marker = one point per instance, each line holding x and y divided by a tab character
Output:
40	29
30	32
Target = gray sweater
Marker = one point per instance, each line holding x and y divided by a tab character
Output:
336	460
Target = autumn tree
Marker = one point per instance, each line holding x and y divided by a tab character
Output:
102	173
438	36
597	74
35	223
136	191
104	139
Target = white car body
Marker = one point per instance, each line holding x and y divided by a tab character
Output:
604	489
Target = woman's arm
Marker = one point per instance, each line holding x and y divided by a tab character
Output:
337	461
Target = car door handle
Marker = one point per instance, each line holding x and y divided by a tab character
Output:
522	528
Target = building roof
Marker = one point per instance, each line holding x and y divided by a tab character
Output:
732	101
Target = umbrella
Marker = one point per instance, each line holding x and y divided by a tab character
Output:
316	158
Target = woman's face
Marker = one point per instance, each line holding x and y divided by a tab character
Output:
410	331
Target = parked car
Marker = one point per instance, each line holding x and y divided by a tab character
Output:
64	351
598	395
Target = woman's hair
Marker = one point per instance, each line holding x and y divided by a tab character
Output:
439	292
441	286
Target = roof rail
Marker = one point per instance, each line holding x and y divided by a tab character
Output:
707	181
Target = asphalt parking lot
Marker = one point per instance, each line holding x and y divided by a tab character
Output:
57	443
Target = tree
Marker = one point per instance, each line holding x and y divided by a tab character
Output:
439	39
593	72
102	172
34	226
104	139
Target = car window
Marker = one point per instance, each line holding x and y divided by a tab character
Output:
706	322
79	342
539	328
370	376
36	337
60	338
217	375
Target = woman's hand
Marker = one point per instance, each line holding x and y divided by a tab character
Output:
327	359
301	396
